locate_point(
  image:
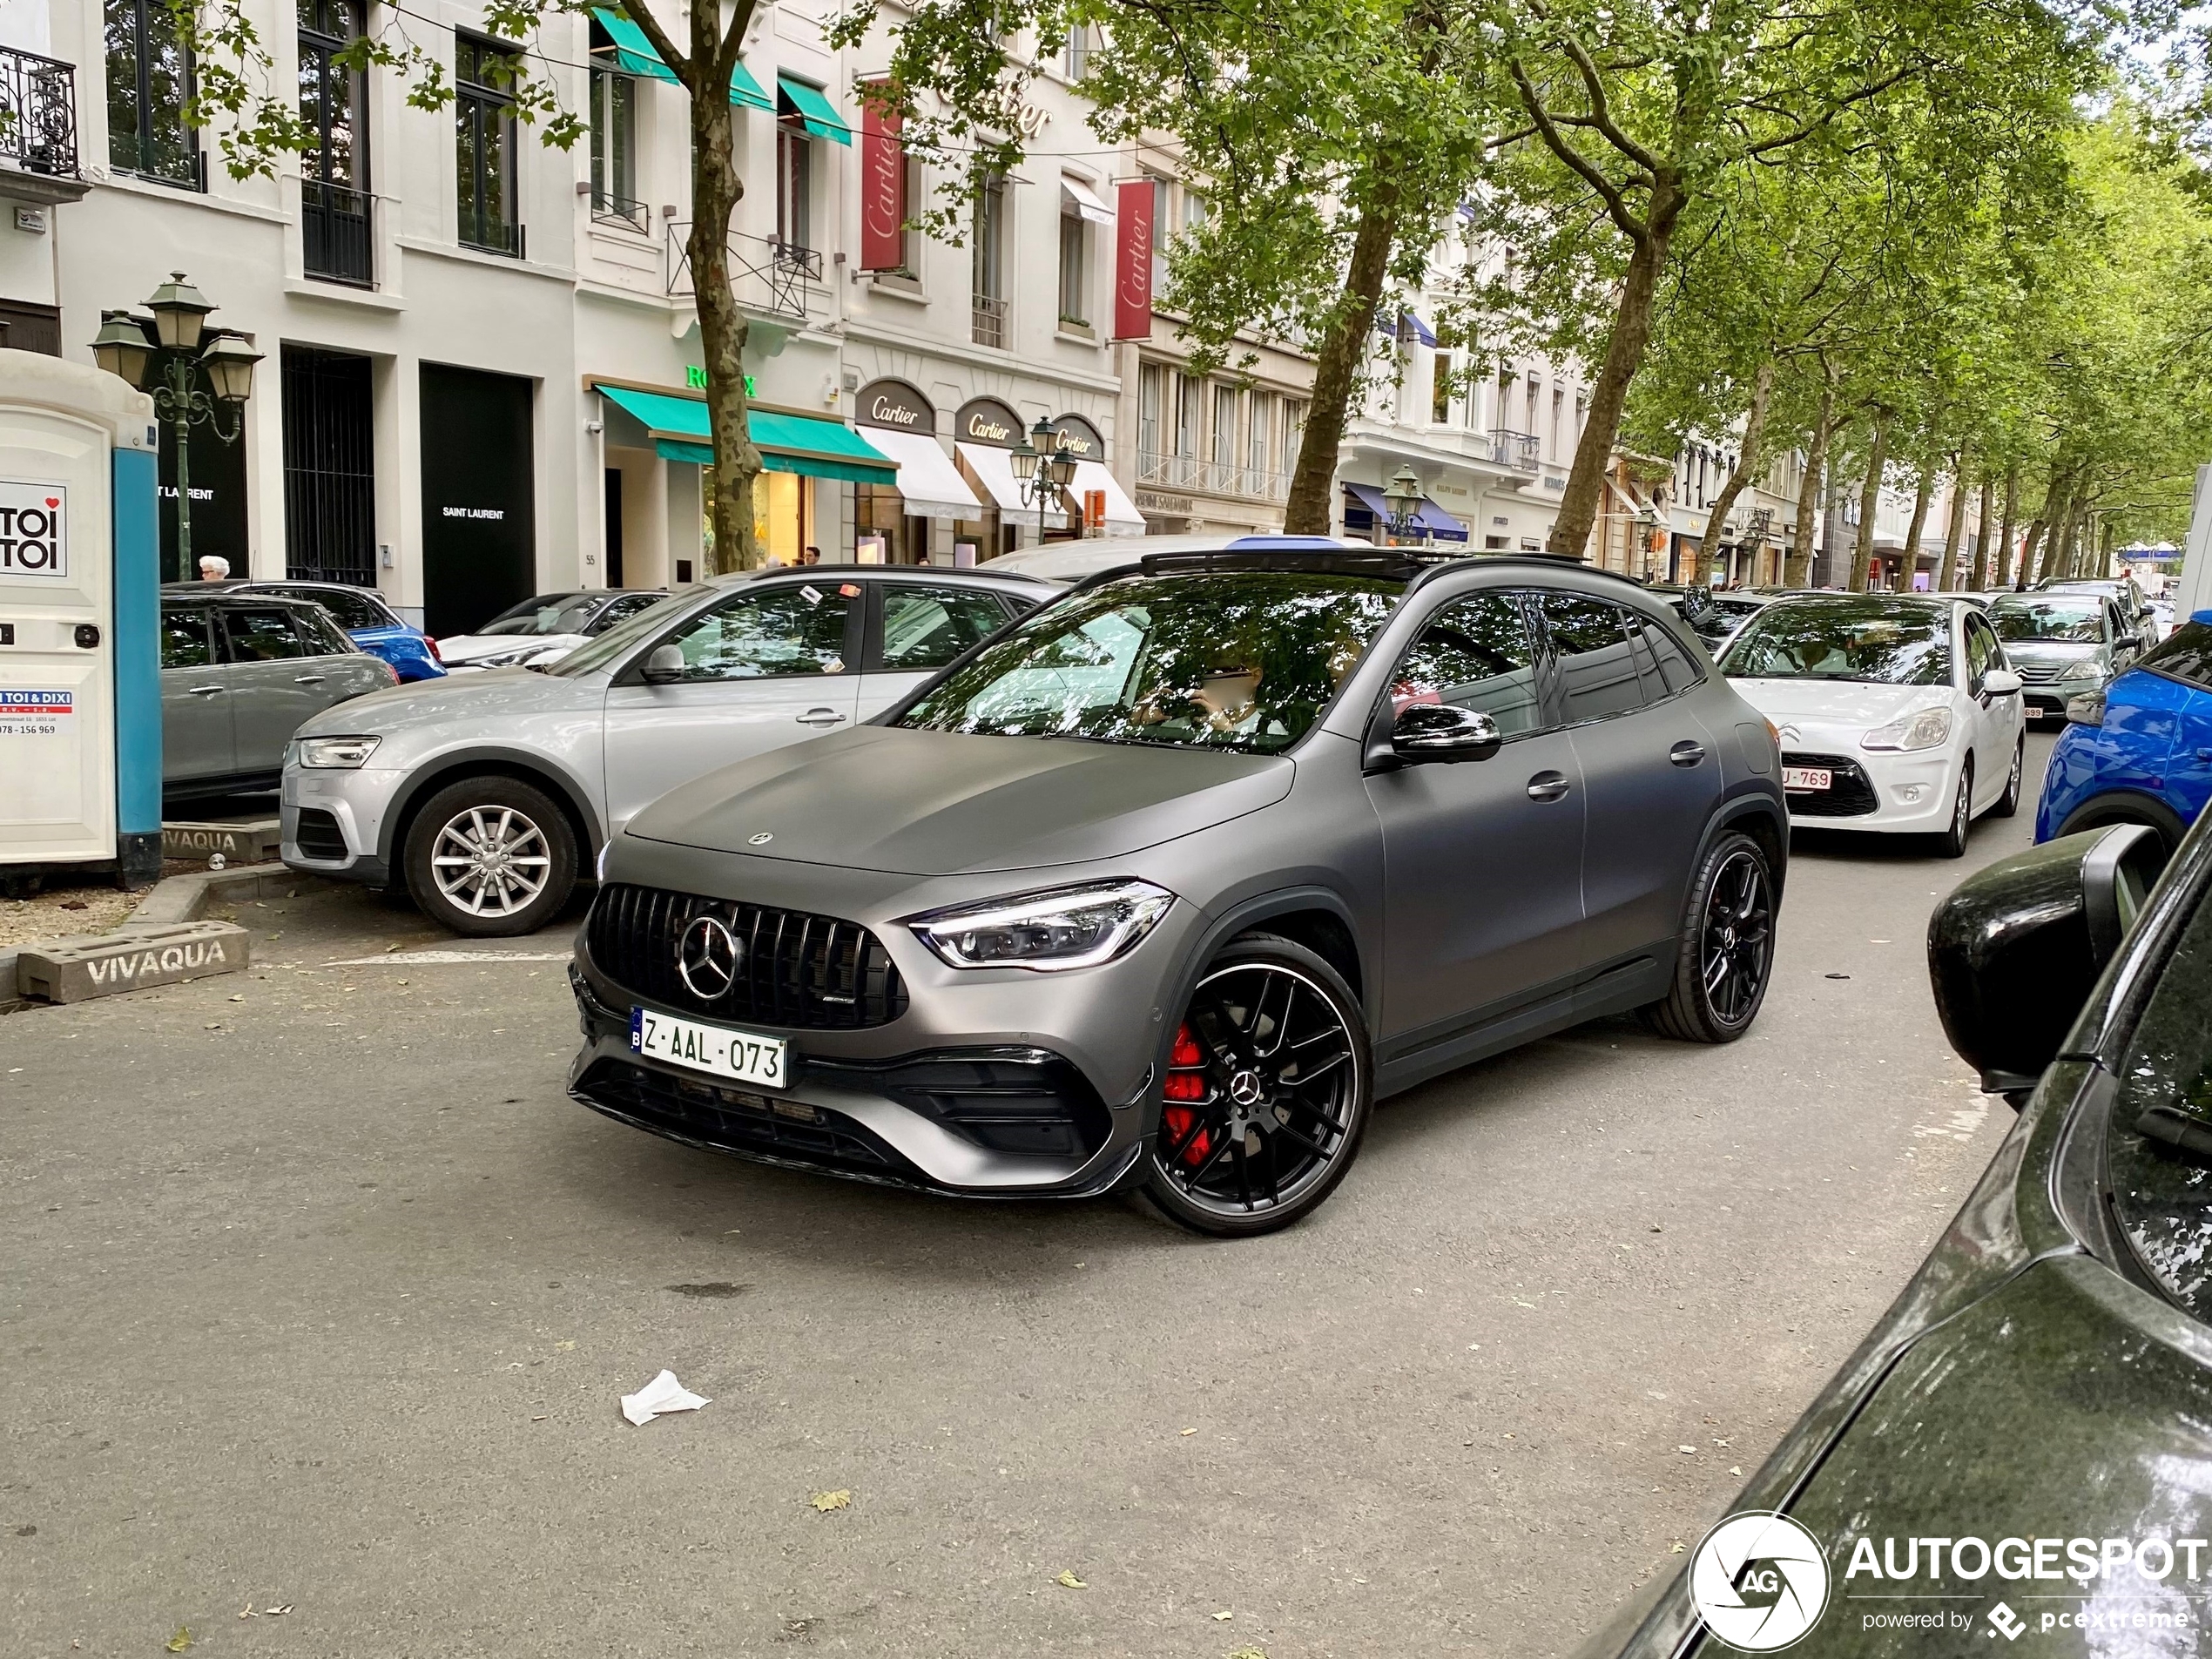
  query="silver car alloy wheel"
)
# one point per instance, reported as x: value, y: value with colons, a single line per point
x: 1260, y: 1091
x: 490, y: 861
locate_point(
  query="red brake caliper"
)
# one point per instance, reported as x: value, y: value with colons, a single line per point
x: 1186, y: 1081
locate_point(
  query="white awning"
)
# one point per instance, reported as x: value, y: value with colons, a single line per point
x: 994, y: 468
x: 931, y: 484
x: 1121, y: 517
x: 1079, y: 196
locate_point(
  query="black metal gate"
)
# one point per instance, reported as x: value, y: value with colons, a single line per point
x: 329, y: 468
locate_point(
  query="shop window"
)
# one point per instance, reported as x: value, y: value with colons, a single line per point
x: 1075, y: 268
x: 614, y: 152
x: 334, y: 169
x: 795, y: 188
x: 987, y: 262
x: 149, y: 78
x: 484, y: 145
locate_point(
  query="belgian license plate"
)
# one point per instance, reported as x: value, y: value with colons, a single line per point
x: 1807, y: 778
x: 745, y: 1055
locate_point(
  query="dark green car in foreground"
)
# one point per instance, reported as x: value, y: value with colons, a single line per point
x: 2019, y: 1457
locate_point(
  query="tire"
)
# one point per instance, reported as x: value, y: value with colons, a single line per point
x: 1229, y: 1121
x: 1726, y: 956
x: 2102, y: 810
x: 1951, y: 843
x: 517, y: 895
x: 2010, y: 802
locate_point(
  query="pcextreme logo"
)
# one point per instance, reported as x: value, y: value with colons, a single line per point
x: 1759, y: 1581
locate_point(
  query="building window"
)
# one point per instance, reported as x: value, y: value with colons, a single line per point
x: 1528, y: 404
x: 1078, y: 53
x: 614, y: 152
x: 484, y: 143
x: 1074, y: 266
x: 1224, y: 436
x: 1187, y: 416
x: 987, y: 262
x: 1259, y: 434
x: 1293, y: 434
x: 794, y: 187
x: 1439, y: 395
x: 149, y: 78
x: 1559, y: 402
x: 1151, y: 401
x: 334, y: 169
x: 910, y: 232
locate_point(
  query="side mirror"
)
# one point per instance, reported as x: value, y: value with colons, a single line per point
x: 2015, y: 951
x: 2001, y: 682
x: 663, y: 665
x: 1443, y: 731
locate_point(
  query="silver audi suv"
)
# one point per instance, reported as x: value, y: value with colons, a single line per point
x: 1164, y: 886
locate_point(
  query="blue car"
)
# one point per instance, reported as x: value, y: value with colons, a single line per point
x: 373, y: 625
x: 2140, y: 752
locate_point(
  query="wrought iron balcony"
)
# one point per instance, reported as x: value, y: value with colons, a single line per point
x: 989, y: 323
x: 766, y: 274
x: 608, y: 208
x: 39, y: 129
x: 1518, y: 451
x: 335, y: 235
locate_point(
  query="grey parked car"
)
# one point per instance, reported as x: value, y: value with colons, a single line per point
x: 2063, y: 643
x: 485, y: 795
x: 239, y: 672
x: 1164, y: 886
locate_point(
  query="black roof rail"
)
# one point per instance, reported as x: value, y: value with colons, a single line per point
x: 1388, y: 563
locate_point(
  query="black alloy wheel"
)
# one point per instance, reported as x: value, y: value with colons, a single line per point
x: 1726, y: 956
x: 2010, y: 802
x: 1951, y: 843
x: 1266, y: 1093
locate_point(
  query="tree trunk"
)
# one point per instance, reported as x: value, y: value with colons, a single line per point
x: 1870, y: 501
x: 1624, y: 348
x: 1747, y: 459
x: 1923, y: 496
x: 2002, y: 572
x: 1981, y: 578
x: 2058, y: 502
x: 1809, y: 494
x: 2028, y: 544
x: 715, y: 191
x: 1956, y: 532
x: 1336, y: 369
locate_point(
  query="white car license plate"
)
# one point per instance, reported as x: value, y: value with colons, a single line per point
x: 745, y: 1055
x: 1807, y: 778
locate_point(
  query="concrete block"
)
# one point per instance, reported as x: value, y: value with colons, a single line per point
x: 240, y: 842
x: 70, y: 970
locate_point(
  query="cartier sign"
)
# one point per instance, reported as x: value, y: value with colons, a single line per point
x: 896, y: 405
x: 1079, y: 438
x: 985, y: 420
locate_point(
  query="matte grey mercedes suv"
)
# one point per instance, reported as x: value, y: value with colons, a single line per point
x: 1165, y: 885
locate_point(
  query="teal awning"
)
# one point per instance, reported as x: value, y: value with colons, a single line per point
x: 797, y: 443
x: 634, y: 54
x: 814, y: 112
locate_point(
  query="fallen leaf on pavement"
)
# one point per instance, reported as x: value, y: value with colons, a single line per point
x: 178, y: 1643
x: 1247, y: 1653
x: 1676, y: 1547
x: 1071, y: 1582
x: 825, y: 1501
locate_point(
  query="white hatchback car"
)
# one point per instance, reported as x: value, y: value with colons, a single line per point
x: 485, y: 796
x: 1897, y: 712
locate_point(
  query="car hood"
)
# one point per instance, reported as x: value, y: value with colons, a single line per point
x: 480, y: 698
x: 466, y: 648
x: 938, y: 803
x: 2049, y: 650
x: 1841, y: 703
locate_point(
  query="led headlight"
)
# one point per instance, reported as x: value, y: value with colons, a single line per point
x: 1048, y: 931
x: 346, y: 752
x: 1929, y: 729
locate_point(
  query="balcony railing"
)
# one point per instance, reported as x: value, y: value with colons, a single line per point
x: 989, y: 324
x: 335, y: 241
x: 37, y: 114
x: 765, y: 274
x: 607, y: 208
x: 1215, y: 477
x: 1518, y: 451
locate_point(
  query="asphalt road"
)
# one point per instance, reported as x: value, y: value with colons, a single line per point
x: 317, y: 1293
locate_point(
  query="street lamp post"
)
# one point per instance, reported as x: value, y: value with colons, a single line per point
x: 1402, y: 495
x: 1042, y: 468
x: 178, y: 347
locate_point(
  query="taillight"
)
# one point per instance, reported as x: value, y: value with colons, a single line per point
x: 388, y: 669
x: 431, y: 645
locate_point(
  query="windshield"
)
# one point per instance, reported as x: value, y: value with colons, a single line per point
x: 565, y: 615
x: 616, y: 643
x: 1242, y: 660
x: 1883, y: 641
x: 2077, y: 622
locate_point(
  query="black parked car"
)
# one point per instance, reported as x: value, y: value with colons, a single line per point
x: 2035, y: 1411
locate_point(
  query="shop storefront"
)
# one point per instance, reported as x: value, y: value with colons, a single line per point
x: 899, y: 522
x: 1367, y: 515
x: 984, y: 433
x: 1103, y: 507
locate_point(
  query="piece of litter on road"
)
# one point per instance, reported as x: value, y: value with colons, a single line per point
x: 443, y: 958
x: 1068, y: 1581
x: 825, y: 1501
x: 1190, y: 1431
x: 1676, y: 1547
x: 663, y: 1395
x: 1691, y: 1450
x: 1839, y: 976
x: 1732, y: 1469
x: 1224, y: 1613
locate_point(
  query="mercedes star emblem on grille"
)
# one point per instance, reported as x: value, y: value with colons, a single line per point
x: 707, y: 955
x: 761, y: 840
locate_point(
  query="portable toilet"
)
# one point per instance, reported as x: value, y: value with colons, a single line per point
x: 80, y: 613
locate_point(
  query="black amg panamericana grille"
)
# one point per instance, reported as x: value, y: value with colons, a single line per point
x: 1850, y: 794
x: 809, y: 972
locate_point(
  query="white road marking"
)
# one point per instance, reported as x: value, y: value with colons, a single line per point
x: 438, y: 958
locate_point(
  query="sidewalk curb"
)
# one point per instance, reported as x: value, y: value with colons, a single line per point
x: 186, y: 898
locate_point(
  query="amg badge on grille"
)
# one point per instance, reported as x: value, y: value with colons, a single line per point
x: 707, y: 955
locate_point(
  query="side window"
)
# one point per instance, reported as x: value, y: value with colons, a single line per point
x: 760, y: 635
x: 349, y: 609
x: 184, y: 639
x: 1475, y: 653
x: 1982, y: 651
x: 622, y: 609
x: 321, y: 635
x: 261, y: 635
x: 1589, y: 640
x: 1677, y: 671
x: 928, y: 627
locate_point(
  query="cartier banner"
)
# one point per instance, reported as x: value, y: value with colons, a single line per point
x: 1133, y: 260
x: 883, y: 193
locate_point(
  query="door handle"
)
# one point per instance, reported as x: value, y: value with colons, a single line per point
x: 1687, y: 753
x: 1547, y: 786
x: 309, y: 679
x: 207, y: 690
x: 821, y: 717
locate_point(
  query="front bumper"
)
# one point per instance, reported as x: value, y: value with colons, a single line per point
x: 1894, y: 793
x: 331, y: 818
